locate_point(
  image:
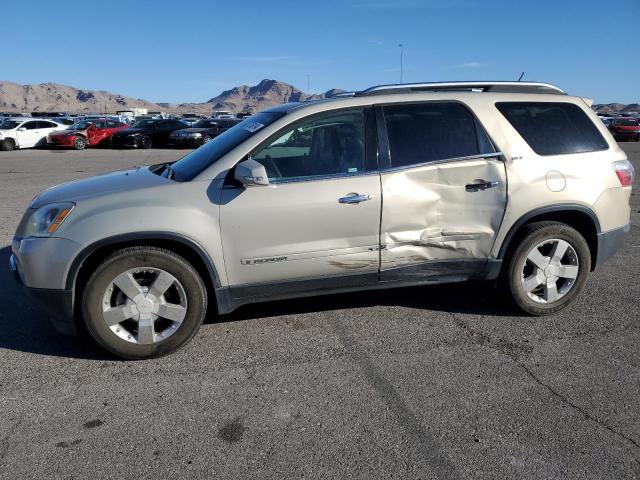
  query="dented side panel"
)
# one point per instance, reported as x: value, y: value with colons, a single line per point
x: 428, y: 214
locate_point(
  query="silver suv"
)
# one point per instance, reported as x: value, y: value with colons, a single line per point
x: 391, y: 186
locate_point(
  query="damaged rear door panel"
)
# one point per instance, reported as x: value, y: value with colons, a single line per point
x: 431, y: 220
x: 444, y: 193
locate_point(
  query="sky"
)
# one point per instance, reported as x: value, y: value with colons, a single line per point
x: 191, y: 50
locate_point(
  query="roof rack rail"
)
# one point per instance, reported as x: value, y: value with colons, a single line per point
x: 343, y: 94
x: 500, y: 86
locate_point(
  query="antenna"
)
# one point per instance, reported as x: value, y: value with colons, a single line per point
x: 520, y: 77
x: 401, y: 45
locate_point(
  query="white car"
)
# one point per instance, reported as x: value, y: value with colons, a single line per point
x: 26, y: 132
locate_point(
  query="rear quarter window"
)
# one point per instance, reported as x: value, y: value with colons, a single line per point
x: 553, y: 128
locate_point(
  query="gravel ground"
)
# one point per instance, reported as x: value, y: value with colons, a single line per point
x: 409, y: 383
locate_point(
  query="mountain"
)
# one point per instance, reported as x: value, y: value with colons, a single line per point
x: 616, y: 107
x: 258, y: 97
x: 51, y: 97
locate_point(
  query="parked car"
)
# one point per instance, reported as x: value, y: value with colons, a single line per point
x: 606, y: 120
x: 65, y: 120
x: 625, y: 129
x: 147, y: 133
x: 26, y: 132
x: 201, y: 132
x: 87, y: 133
x: 289, y: 203
x: 222, y: 114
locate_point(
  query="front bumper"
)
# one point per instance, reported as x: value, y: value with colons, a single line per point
x: 124, y: 142
x: 184, y: 142
x: 58, y: 303
x: 60, y: 141
x: 626, y: 136
x: 610, y: 242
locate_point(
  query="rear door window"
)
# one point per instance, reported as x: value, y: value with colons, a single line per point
x: 428, y: 132
x: 553, y: 128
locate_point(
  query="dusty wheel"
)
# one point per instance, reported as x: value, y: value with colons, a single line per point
x: 548, y: 268
x: 144, y: 302
x: 145, y: 142
x: 79, y: 143
x: 7, y: 145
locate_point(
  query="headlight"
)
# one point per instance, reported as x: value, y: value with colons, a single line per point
x: 195, y: 135
x: 44, y: 221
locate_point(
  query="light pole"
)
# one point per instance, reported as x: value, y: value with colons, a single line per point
x: 401, y: 55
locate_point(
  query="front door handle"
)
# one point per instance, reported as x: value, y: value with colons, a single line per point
x: 480, y: 185
x: 354, y: 198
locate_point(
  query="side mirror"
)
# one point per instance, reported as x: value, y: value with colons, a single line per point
x: 22, y: 129
x: 251, y: 172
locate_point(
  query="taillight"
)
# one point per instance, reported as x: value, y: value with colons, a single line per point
x: 624, y: 171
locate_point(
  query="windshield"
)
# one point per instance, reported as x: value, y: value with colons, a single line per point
x: 627, y: 122
x: 191, y: 165
x: 9, y: 124
x: 144, y: 123
x: 80, y: 125
x: 204, y: 124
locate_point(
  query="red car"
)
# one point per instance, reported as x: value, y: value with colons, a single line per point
x: 87, y: 133
x: 625, y: 129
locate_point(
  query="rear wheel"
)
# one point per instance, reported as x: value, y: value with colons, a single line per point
x: 145, y: 142
x: 144, y: 302
x: 79, y: 143
x: 548, y: 268
x: 7, y: 145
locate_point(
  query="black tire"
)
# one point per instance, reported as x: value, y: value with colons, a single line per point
x: 7, y: 145
x: 145, y: 142
x: 149, y: 257
x: 79, y: 143
x: 206, y: 139
x: 533, y: 235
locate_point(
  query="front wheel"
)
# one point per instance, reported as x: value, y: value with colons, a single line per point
x: 548, y: 268
x: 144, y: 302
x: 7, y: 145
x: 145, y: 142
x: 79, y: 143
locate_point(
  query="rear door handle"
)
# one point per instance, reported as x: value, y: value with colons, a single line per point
x: 354, y: 198
x: 480, y: 185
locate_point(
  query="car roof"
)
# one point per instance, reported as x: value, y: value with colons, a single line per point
x: 489, y: 92
x: 25, y: 119
x: 407, y: 92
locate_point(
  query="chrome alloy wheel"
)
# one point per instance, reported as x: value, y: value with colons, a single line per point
x: 550, y: 270
x: 144, y: 305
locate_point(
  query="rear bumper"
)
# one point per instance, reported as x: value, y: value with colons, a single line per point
x: 610, y: 242
x: 57, y: 303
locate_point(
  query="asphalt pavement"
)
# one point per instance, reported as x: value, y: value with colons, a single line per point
x: 439, y: 382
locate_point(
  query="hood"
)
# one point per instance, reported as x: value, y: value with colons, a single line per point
x: 66, y: 132
x: 194, y: 130
x: 130, y: 131
x: 108, y: 183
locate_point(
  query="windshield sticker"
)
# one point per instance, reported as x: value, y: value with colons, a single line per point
x: 252, y: 126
